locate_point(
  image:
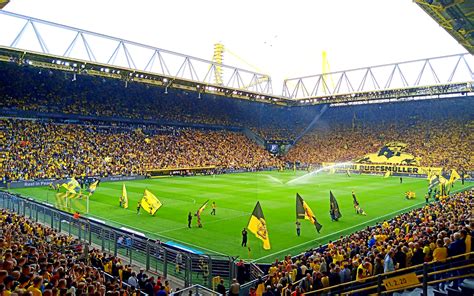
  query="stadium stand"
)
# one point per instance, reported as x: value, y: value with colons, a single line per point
x: 37, y: 260
x: 439, y: 133
x: 432, y: 234
x: 45, y: 149
x: 53, y: 92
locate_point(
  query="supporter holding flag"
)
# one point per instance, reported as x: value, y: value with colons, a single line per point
x: 72, y: 186
x: 334, y: 208
x: 303, y: 211
x: 354, y: 200
x: 199, y: 212
x: 93, y: 187
x: 150, y: 203
x: 357, y: 207
x: 258, y: 226
x: 124, y: 197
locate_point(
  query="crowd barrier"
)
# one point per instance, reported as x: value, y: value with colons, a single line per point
x: 153, y: 255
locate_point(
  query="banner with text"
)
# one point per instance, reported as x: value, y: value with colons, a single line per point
x: 383, y: 168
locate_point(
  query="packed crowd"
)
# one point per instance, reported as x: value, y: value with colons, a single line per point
x: 38, y: 150
x: 49, y: 91
x: 442, y: 144
x: 431, y: 234
x: 36, y: 260
x: 436, y: 131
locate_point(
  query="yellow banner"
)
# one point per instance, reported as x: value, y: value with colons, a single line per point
x: 399, y: 282
x: 390, y: 153
x: 384, y: 168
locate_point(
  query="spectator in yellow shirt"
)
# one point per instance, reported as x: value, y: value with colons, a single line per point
x: 441, y: 252
x: 35, y: 289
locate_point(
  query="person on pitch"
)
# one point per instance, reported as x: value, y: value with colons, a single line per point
x: 190, y: 219
x: 244, y: 237
x: 298, y: 227
x: 214, y: 207
x: 139, y: 205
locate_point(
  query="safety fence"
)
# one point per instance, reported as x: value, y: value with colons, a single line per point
x: 453, y: 270
x: 153, y: 255
x: 195, y: 290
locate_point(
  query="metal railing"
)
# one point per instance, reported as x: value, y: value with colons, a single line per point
x: 196, y: 290
x: 428, y: 273
x: 32, y: 34
x: 436, y: 71
x: 153, y: 255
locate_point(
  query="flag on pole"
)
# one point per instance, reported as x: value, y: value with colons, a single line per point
x: 303, y: 211
x: 93, y: 187
x: 454, y: 176
x: 334, y: 207
x: 72, y: 186
x: 150, y: 202
x: 429, y: 175
x: 354, y: 199
x: 443, y: 182
x: 434, y: 181
x: 387, y: 174
x: 258, y: 226
x: 124, y: 197
x: 201, y: 208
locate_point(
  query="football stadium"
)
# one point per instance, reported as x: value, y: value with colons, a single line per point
x: 129, y: 169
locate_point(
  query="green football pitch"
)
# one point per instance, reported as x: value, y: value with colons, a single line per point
x: 235, y: 196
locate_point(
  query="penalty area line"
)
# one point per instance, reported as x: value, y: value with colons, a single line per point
x: 339, y: 231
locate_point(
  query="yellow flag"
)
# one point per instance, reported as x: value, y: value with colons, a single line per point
x: 93, y: 187
x: 150, y: 203
x: 258, y: 226
x: 201, y: 208
x: 454, y: 176
x: 72, y: 186
x: 387, y: 174
x: 124, y: 197
x: 442, y: 180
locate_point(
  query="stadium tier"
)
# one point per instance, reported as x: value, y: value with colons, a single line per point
x: 53, y: 92
x: 439, y: 133
x: 52, y: 150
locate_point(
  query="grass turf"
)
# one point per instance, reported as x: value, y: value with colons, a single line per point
x: 235, y: 196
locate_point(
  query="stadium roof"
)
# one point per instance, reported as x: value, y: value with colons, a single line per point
x: 77, y: 51
x: 455, y: 16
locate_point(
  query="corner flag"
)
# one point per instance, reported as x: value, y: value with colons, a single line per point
x: 258, y: 226
x: 303, y: 211
x: 150, y: 203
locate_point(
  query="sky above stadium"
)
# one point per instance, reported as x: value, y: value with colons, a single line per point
x: 282, y: 38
